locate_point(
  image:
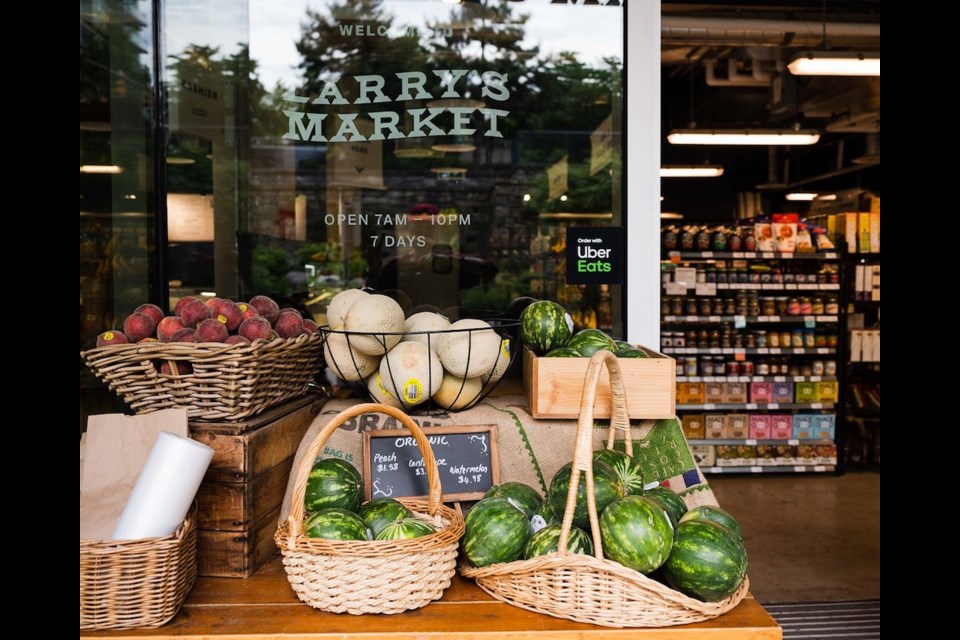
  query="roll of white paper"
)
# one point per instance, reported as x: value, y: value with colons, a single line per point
x: 165, y: 489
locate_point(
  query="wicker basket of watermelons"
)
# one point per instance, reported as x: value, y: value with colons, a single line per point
x: 606, y: 551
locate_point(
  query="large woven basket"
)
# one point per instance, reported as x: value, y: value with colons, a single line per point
x: 227, y: 382
x: 137, y: 583
x: 591, y: 588
x: 386, y: 576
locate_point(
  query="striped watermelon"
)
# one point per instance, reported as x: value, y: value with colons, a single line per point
x: 607, y: 488
x: 708, y: 561
x: 547, y: 540
x: 547, y: 513
x: 335, y: 524
x: 588, y: 341
x: 333, y: 483
x: 716, y: 514
x: 523, y: 496
x: 637, y: 533
x: 670, y: 501
x: 545, y: 325
x: 496, y: 532
x: 562, y: 352
x: 626, y: 467
x: 379, y: 512
x: 405, y: 529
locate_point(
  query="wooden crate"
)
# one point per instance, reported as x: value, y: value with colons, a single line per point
x: 239, y: 499
x: 553, y: 386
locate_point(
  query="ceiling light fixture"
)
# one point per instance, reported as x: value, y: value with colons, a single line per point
x: 101, y: 168
x: 830, y: 197
x: 757, y: 137
x: 694, y: 171
x: 454, y: 147
x: 800, y: 197
x: 835, y: 63
x: 670, y: 215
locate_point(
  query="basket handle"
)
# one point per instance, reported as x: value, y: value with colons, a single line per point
x: 295, y: 518
x: 583, y: 449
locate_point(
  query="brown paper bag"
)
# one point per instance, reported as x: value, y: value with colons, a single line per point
x: 112, y: 455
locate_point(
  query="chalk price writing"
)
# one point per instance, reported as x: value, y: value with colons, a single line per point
x: 474, y: 479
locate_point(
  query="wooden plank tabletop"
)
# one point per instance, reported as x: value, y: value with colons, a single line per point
x: 264, y: 606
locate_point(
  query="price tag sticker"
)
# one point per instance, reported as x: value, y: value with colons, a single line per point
x: 756, y: 469
x: 676, y: 289
x: 774, y: 319
x: 776, y: 350
x: 773, y: 405
x: 763, y: 350
x: 707, y: 254
x: 751, y: 441
x: 793, y: 442
x: 751, y: 405
x: 739, y: 355
x: 790, y: 287
x: 686, y: 276
x: 823, y: 350
x: 768, y: 254
x: 799, y: 469
x: 692, y: 318
x: 738, y: 254
x: 709, y: 406
x: 779, y: 378
x: 716, y: 350
x: 713, y: 319
x: 819, y: 467
x: 740, y: 322
x: 810, y: 324
x: 830, y: 256
x: 816, y: 378
x: 816, y: 405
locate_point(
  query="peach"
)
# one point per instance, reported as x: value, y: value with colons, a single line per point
x: 289, y: 323
x: 256, y: 328
x: 138, y: 326
x: 175, y: 368
x: 111, y: 337
x: 236, y: 340
x: 212, y: 303
x: 247, y: 310
x: 167, y: 327
x: 228, y: 312
x: 150, y: 339
x: 309, y: 326
x: 151, y: 310
x: 193, y: 313
x: 184, y: 335
x: 265, y: 307
x: 182, y: 302
x: 211, y: 330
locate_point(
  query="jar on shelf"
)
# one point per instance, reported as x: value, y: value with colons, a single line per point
x: 763, y: 368
x: 781, y: 303
x: 676, y: 306
x: 809, y: 339
x: 738, y: 340
x: 761, y: 339
x: 793, y: 307
x: 832, y: 340
x: 819, y: 367
x: 721, y: 276
x: 706, y: 306
x: 773, y: 339
x: 785, y: 339
x: 665, y: 306
x: 666, y: 340
x: 701, y: 276
x: 806, y: 306
x: 690, y: 366
x: 706, y: 366
x: 718, y: 306
x: 679, y: 340
x: 793, y: 369
x: 796, y: 338
x: 821, y: 339
x: 830, y: 368
x: 729, y: 307
x: 751, y: 341
x: 832, y: 306
x: 690, y: 306
x: 806, y: 369
x: 715, y: 338
x: 703, y: 337
x: 817, y: 306
x: 680, y: 370
x: 768, y: 307
x: 746, y: 368
x: 753, y: 304
x: 711, y: 274
x: 732, y: 368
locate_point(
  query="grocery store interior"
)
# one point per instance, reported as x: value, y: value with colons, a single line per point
x: 208, y: 170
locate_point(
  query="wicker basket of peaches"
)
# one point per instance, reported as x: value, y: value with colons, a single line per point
x: 219, y: 359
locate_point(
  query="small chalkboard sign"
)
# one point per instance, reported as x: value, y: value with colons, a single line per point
x: 466, y: 459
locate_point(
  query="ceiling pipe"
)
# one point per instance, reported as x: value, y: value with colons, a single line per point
x: 744, y: 32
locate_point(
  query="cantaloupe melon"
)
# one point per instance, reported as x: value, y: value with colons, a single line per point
x: 411, y: 372
x: 379, y: 392
x: 374, y: 314
x: 339, y: 305
x: 425, y: 321
x: 500, y: 368
x: 456, y: 393
x: 347, y: 363
x: 469, y: 354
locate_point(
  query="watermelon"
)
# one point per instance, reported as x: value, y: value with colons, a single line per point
x: 670, y: 501
x: 630, y: 353
x: 547, y: 540
x: 606, y: 489
x: 588, y: 341
x: 379, y: 512
x: 545, y: 325
x: 523, y: 496
x: 405, y: 529
x: 547, y: 513
x: 716, y: 514
x: 637, y: 533
x: 626, y: 467
x: 562, y: 352
x: 708, y: 561
x: 333, y: 483
x: 335, y: 524
x: 496, y: 532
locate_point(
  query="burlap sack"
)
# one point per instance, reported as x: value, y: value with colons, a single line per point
x: 531, y: 451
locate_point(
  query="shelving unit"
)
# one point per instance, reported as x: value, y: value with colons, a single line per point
x: 860, y: 413
x: 734, y: 294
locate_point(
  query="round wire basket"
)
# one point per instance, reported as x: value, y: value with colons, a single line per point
x: 382, y: 381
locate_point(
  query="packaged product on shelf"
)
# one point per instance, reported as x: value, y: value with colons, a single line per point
x: 714, y: 392
x: 825, y: 453
x: 692, y: 424
x: 705, y: 455
x: 824, y: 426
x: 806, y: 454
x: 715, y: 426
x: 828, y: 391
x: 804, y: 240
x: 760, y: 427
x: 775, y: 454
x: 761, y: 392
x: 693, y: 393
x: 781, y: 426
x: 863, y: 232
x: 763, y: 232
x: 784, y: 229
x: 803, y: 425
x: 735, y: 392
x: 806, y: 392
x: 782, y: 392
x: 736, y: 426
x: 874, y: 232
x: 737, y: 455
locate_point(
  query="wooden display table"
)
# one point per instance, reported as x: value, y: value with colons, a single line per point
x: 264, y: 606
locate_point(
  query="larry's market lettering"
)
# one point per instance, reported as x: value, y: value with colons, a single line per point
x: 432, y: 121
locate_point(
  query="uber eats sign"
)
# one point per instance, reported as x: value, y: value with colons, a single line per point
x: 595, y: 255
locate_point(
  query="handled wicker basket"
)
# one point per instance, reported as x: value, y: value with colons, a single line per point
x: 226, y: 382
x: 591, y: 588
x: 128, y: 584
x: 378, y: 576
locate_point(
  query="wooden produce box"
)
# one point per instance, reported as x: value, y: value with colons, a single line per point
x: 239, y: 499
x: 553, y: 386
